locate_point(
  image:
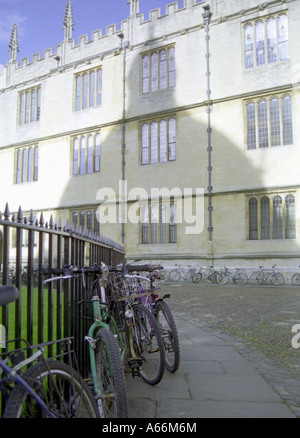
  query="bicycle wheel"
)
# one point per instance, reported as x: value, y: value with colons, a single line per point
x: 296, y: 279
x: 146, y: 344
x: 197, y: 277
x: 189, y: 275
x: 169, y: 334
x: 112, y: 402
x: 256, y: 278
x: 277, y: 278
x: 174, y: 276
x: 60, y: 387
x: 241, y: 278
x: 222, y: 278
x: 163, y: 275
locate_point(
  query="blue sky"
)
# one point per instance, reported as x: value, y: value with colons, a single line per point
x: 40, y: 22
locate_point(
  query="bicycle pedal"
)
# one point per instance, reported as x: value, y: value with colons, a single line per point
x: 135, y: 366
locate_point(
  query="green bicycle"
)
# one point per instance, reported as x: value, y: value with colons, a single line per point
x: 105, y: 361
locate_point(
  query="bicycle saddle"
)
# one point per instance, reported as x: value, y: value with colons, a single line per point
x: 8, y: 294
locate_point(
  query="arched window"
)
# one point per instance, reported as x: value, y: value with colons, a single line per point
x: 290, y: 217
x: 251, y: 126
x: 272, y: 40
x: 253, y: 222
x: 260, y: 43
x: 287, y: 124
x: 154, y: 145
x: 97, y: 153
x: 249, y: 47
x: 265, y: 218
x: 75, y: 156
x: 277, y: 218
x: 90, y: 153
x: 145, y: 143
x: 275, y: 122
x: 82, y: 155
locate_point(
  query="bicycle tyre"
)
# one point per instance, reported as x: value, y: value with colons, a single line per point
x: 296, y: 279
x: 75, y: 400
x: 197, y: 277
x: 241, y: 278
x: 146, y: 344
x: 110, y: 377
x: 163, y: 275
x: 256, y: 278
x: 168, y: 329
x: 277, y: 279
x: 222, y: 278
x: 189, y: 275
x: 174, y: 276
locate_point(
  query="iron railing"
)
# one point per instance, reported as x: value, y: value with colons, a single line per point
x: 48, y: 313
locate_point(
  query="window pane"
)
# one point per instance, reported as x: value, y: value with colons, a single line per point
x: 19, y: 166
x: 283, y: 37
x: 78, y: 93
x: 30, y: 164
x: 154, y: 143
x: 92, y: 89
x: 163, y: 141
x: 163, y: 69
x: 96, y: 223
x: 145, y: 144
x: 97, y: 153
x: 38, y: 109
x: 36, y: 164
x: 275, y: 122
x: 249, y: 47
x: 290, y: 220
x: 277, y: 218
x: 253, y: 223
x: 272, y: 43
x: 82, y: 155
x: 89, y: 220
x: 260, y: 43
x: 85, y: 91
x: 172, y: 139
x: 75, y: 156
x: 265, y: 218
x: 24, y: 165
x: 173, y: 228
x: 82, y: 220
x: 251, y: 129
x: 262, y: 124
x: 99, y: 87
x: 154, y: 223
x: 90, y: 154
x: 172, y: 71
x: 163, y: 224
x: 33, y: 106
x: 154, y: 72
x: 287, y: 124
x: 146, y: 73
x: 27, y: 107
x: 145, y: 225
x: 22, y: 103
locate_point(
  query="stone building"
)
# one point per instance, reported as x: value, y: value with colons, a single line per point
x: 178, y: 132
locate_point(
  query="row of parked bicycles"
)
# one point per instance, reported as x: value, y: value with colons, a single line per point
x: 132, y: 330
x: 258, y: 277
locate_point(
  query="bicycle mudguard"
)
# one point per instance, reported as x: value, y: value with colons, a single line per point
x: 8, y: 294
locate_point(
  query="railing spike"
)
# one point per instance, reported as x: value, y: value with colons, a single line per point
x: 59, y: 226
x: 42, y: 221
x: 6, y: 212
x: 20, y: 215
x: 31, y: 218
x: 51, y: 223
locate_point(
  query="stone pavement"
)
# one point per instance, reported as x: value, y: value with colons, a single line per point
x: 220, y: 376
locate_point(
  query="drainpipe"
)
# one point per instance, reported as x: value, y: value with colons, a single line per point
x: 206, y: 18
x: 123, y: 46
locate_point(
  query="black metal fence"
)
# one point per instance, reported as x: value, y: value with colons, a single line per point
x: 29, y: 249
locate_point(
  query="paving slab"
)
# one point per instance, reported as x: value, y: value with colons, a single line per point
x: 214, y: 381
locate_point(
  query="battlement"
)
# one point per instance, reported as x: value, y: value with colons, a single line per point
x: 69, y: 50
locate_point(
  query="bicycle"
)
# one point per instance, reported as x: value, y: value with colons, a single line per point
x: 177, y: 273
x: 262, y: 276
x: 295, y: 280
x: 238, y: 277
x: 150, y: 299
x: 49, y: 388
x: 137, y: 325
x: 210, y: 276
x: 106, y: 368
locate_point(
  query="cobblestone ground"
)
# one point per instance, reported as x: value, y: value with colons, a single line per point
x: 261, y: 316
